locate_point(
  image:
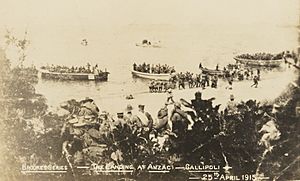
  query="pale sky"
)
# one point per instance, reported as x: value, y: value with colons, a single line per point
x: 15, y: 13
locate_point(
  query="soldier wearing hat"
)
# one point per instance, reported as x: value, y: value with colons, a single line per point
x: 201, y: 105
x: 275, y: 108
x: 179, y: 119
x: 148, y: 122
x: 162, y: 116
x: 120, y: 115
x: 141, y: 107
x: 88, y: 107
x: 229, y: 112
x: 198, y: 95
x: 120, y: 119
x: 129, y: 109
x: 198, y: 102
x: 231, y: 97
x: 231, y: 108
x: 128, y: 112
x: 170, y: 99
x: 129, y: 117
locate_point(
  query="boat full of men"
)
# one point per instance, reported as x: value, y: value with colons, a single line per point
x: 62, y: 72
x: 88, y: 69
x: 154, y: 69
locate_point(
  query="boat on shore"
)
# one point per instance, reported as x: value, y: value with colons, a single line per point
x: 153, y: 76
x: 101, y: 76
x: 212, y: 72
x: 254, y: 62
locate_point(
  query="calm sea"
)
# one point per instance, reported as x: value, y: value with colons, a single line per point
x: 183, y: 47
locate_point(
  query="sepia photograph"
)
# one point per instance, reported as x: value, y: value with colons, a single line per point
x: 160, y: 90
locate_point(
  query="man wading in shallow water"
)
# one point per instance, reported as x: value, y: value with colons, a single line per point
x: 170, y: 99
x: 255, y: 80
x: 230, y: 81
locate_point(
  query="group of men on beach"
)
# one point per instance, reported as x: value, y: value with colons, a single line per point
x: 195, y: 80
x: 181, y: 79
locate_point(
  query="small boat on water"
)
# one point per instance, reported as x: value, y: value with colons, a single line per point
x: 253, y: 62
x: 151, y: 75
x: 148, y: 44
x: 260, y: 59
x: 101, y: 76
x: 212, y: 72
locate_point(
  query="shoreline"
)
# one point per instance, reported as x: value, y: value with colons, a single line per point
x: 269, y: 88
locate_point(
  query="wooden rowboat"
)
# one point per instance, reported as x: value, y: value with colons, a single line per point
x: 266, y: 63
x: 148, y: 46
x: 212, y: 72
x: 102, y: 76
x: 151, y: 75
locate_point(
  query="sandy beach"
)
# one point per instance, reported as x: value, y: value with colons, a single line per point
x: 269, y: 88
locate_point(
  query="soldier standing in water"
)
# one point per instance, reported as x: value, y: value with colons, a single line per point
x: 255, y: 80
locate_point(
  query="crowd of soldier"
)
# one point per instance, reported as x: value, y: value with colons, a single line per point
x: 182, y: 80
x: 160, y: 86
x: 191, y: 80
x: 87, y: 128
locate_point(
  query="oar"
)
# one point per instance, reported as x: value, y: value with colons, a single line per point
x: 186, y: 103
